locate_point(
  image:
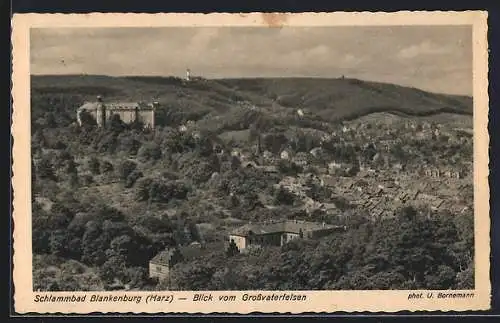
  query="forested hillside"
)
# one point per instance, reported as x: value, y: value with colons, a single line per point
x: 107, y: 200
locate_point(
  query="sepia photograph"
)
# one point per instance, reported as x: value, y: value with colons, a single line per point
x: 277, y: 158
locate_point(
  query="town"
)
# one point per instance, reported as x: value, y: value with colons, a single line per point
x: 140, y: 195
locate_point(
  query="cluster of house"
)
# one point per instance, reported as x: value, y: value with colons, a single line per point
x: 301, y: 184
x: 381, y: 194
x: 437, y: 173
x: 300, y: 158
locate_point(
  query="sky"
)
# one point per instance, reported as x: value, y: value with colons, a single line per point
x: 432, y: 58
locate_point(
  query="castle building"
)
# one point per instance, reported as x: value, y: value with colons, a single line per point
x: 127, y: 111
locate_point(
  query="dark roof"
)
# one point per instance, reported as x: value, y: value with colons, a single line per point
x: 277, y: 227
x: 163, y: 257
x: 89, y: 106
x: 270, y: 169
x: 250, y: 163
x: 192, y: 251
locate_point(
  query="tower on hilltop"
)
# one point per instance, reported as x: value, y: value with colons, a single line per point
x: 188, y: 74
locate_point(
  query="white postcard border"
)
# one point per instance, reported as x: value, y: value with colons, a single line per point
x: 316, y: 301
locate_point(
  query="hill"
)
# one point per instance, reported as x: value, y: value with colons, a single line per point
x: 335, y: 99
x: 324, y: 100
x: 109, y: 199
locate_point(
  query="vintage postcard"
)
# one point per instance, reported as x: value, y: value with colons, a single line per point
x: 240, y: 163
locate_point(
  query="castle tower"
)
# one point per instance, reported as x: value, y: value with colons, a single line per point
x: 101, y: 112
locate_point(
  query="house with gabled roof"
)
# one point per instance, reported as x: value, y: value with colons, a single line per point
x: 162, y: 263
x: 160, y: 266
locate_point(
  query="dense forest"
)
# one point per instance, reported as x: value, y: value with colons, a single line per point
x: 107, y: 200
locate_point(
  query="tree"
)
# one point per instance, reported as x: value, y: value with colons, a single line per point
x: 60, y: 216
x: 274, y: 142
x: 40, y: 230
x: 45, y: 169
x: 105, y: 212
x: 173, y: 142
x: 138, y: 277
x: 155, y: 224
x: 253, y: 132
x: 129, y: 144
x: 93, y: 249
x: 137, y: 124
x: 233, y: 201
x: 199, y: 169
x: 251, y: 201
x: 93, y: 165
x: 195, y: 275
x: 235, y: 163
x: 232, y: 249
x: 465, y: 278
x: 204, y: 146
x: 126, y: 168
x: 113, y: 268
x: 121, y: 246
x: 341, y: 203
x: 106, y: 167
x: 399, y: 153
x: 443, y: 278
x: 369, y: 152
x: 50, y: 120
x: 289, y: 168
x: 165, y: 191
x: 132, y: 178
x: 74, y: 180
x: 115, y: 124
x: 354, y: 170
x: 143, y: 188
x: 59, y: 241
x: 283, y: 196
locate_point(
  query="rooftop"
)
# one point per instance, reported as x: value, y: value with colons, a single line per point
x: 89, y: 106
x: 290, y: 226
x: 195, y: 250
x: 189, y: 252
x: 163, y: 257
